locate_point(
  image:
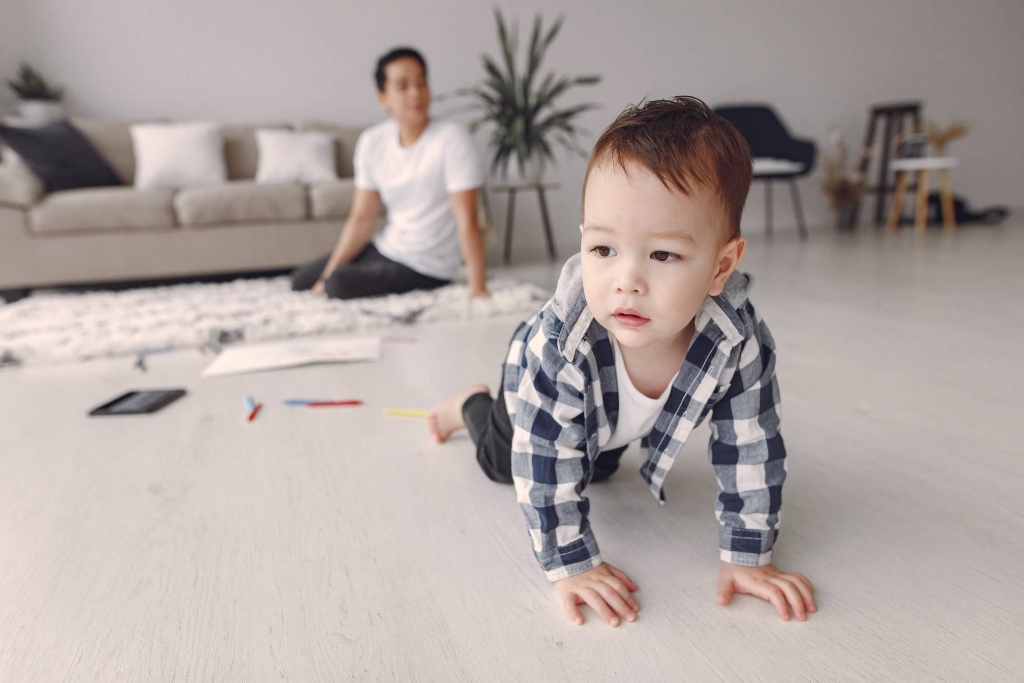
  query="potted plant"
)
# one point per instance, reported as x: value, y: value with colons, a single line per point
x: 842, y: 184
x: 38, y: 100
x: 520, y: 107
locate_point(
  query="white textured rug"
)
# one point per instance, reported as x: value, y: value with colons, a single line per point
x: 59, y: 327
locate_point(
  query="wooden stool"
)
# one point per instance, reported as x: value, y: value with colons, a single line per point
x: 923, y: 166
x: 894, y: 116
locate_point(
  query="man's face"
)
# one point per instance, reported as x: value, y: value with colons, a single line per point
x: 650, y: 255
x: 406, y: 94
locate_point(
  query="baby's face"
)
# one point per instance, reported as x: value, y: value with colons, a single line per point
x: 650, y: 255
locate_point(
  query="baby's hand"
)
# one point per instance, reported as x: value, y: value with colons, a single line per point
x: 785, y: 590
x: 608, y: 591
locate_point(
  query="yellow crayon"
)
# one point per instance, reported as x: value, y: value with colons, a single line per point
x: 405, y: 412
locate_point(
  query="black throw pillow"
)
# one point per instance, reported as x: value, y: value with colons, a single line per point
x: 60, y: 155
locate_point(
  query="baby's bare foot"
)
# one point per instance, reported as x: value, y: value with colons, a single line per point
x: 446, y: 416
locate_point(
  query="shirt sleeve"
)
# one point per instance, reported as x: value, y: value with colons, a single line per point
x: 748, y: 454
x: 462, y: 168
x: 363, y: 163
x: 549, y: 456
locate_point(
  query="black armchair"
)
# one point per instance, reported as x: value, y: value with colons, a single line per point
x: 777, y: 154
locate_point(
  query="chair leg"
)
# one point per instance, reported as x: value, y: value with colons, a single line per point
x: 948, y: 214
x: 768, y: 207
x: 795, y: 191
x: 921, y: 215
x: 902, y: 178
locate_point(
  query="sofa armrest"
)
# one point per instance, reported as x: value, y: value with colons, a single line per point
x: 19, y: 186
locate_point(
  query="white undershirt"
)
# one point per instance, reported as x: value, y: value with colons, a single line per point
x: 637, y: 413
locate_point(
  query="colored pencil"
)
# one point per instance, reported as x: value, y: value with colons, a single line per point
x: 254, y: 413
x: 322, y: 404
x: 250, y: 405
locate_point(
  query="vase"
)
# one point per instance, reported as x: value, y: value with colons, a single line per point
x: 40, y: 112
x: 846, y: 218
x: 530, y: 173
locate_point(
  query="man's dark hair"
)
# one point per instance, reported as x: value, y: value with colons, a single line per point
x: 397, y: 53
x: 685, y: 144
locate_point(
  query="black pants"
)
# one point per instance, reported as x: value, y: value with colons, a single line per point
x: 491, y: 430
x: 369, y: 274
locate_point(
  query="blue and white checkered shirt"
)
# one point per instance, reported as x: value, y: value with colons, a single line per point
x: 560, y: 389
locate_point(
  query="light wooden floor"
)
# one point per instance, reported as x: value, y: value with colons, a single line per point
x: 337, y: 544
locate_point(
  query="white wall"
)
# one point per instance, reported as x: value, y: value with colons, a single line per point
x: 822, y: 63
x: 11, y: 42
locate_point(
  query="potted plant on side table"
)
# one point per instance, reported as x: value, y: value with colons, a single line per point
x: 519, y: 106
x: 39, y: 102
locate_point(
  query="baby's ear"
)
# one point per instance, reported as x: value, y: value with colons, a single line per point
x: 729, y: 258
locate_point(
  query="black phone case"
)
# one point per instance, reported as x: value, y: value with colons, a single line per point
x: 138, y: 402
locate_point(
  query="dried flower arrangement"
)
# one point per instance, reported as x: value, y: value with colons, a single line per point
x: 842, y: 184
x: 941, y: 137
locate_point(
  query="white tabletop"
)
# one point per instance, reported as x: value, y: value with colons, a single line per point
x: 923, y: 164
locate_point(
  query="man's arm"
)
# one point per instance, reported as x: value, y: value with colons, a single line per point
x: 471, y: 240
x: 355, y: 234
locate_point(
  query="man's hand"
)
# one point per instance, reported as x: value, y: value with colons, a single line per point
x: 607, y: 590
x: 785, y: 590
x: 318, y: 288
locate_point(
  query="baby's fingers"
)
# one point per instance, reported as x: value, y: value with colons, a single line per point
x: 773, y: 594
x: 793, y: 596
x: 616, y: 601
x: 570, y: 604
x: 806, y: 589
x: 622, y: 576
x: 623, y: 590
x: 598, y: 604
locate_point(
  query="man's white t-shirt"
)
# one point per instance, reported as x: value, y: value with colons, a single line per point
x: 414, y: 183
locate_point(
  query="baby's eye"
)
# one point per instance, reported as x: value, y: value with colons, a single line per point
x: 664, y: 256
x: 603, y: 252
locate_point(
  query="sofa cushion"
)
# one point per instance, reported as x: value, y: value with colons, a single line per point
x: 331, y: 199
x: 60, y: 155
x: 173, y: 155
x: 240, y: 150
x: 19, y: 186
x: 347, y: 137
x: 238, y: 202
x: 288, y: 156
x: 113, y: 141
x: 103, y: 209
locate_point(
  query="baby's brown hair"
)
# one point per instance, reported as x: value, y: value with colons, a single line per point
x: 685, y: 144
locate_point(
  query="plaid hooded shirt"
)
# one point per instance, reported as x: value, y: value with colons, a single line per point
x: 560, y: 389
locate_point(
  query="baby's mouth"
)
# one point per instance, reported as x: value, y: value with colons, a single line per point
x: 630, y: 317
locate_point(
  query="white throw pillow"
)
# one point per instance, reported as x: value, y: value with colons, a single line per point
x: 287, y: 156
x: 178, y: 154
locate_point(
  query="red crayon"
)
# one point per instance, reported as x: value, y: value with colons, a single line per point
x: 321, y: 404
x: 255, y: 412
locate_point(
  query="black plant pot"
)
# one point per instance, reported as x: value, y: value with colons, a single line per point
x: 846, y: 218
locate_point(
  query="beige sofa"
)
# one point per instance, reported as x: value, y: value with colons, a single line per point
x: 112, y: 234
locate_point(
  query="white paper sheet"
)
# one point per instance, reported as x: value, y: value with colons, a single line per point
x: 291, y: 353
